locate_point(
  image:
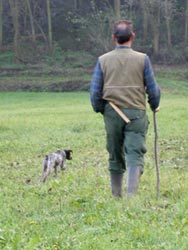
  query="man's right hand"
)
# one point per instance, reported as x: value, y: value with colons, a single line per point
x: 157, y: 109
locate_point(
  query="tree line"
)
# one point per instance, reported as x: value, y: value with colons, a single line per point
x: 30, y: 27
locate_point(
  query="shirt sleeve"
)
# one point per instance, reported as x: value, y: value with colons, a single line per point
x: 96, y: 89
x: 152, y: 88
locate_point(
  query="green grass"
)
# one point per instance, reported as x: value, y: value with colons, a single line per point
x: 61, y: 71
x: 71, y: 71
x: 75, y: 211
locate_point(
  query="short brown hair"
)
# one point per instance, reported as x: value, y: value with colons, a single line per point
x: 123, y: 30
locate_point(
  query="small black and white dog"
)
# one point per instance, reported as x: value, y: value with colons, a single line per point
x: 53, y: 160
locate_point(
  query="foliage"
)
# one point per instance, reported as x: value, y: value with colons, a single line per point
x: 160, y: 26
x: 70, y: 71
x: 6, y: 58
x: 100, y: 30
x: 75, y: 210
x: 60, y: 71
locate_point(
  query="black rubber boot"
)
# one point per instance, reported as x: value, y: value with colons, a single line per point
x: 133, y: 178
x: 116, y: 184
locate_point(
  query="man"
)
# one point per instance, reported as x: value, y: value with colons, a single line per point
x: 123, y: 76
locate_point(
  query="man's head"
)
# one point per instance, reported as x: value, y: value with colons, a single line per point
x: 123, y: 32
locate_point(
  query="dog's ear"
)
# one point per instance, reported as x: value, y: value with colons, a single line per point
x: 68, y: 153
x: 46, y: 157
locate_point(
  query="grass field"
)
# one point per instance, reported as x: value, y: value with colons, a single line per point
x: 75, y: 211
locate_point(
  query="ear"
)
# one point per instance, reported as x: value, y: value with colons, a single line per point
x: 133, y: 36
x: 113, y: 38
x: 68, y: 154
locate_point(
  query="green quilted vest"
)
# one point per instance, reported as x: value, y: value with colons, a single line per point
x: 123, y: 70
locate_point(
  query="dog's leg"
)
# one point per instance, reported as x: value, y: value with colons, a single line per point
x: 45, y: 175
x: 63, y: 165
x: 48, y: 171
x: 55, y: 170
x: 44, y: 168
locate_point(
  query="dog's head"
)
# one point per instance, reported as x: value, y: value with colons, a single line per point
x: 68, y: 153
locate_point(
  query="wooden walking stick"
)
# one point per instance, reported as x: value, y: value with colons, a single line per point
x: 118, y: 110
x: 156, y: 153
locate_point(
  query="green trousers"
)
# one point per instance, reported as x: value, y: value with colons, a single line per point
x: 125, y: 142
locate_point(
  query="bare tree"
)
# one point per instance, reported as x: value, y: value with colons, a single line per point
x: 76, y: 4
x: 31, y: 21
x: 117, y: 5
x: 154, y: 14
x: 14, y: 9
x: 1, y: 23
x: 168, y: 13
x: 49, y: 25
x: 144, y: 6
x: 186, y: 24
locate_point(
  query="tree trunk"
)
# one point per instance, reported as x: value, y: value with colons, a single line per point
x: 168, y: 17
x: 145, y: 19
x: 186, y: 24
x: 31, y: 21
x: 15, y: 14
x: 117, y: 5
x: 156, y: 31
x: 75, y: 4
x: 49, y: 25
x: 154, y: 19
x: 1, y: 23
